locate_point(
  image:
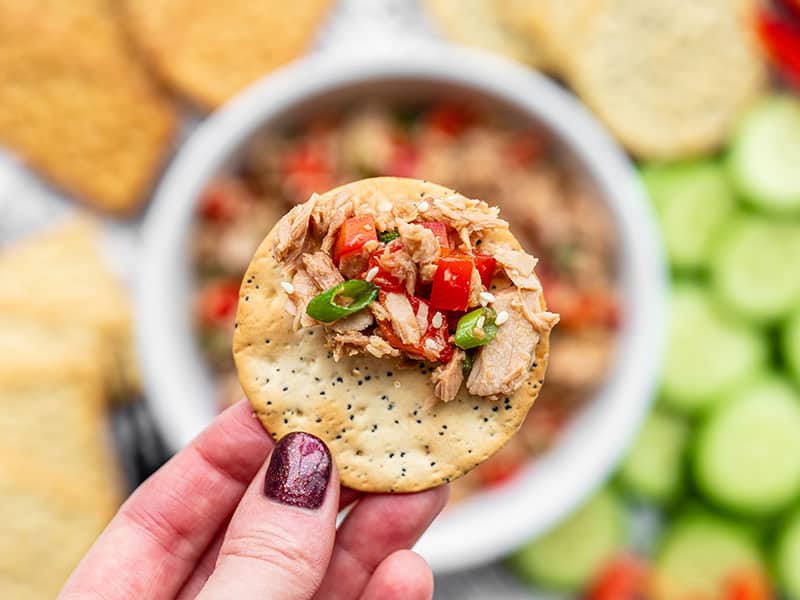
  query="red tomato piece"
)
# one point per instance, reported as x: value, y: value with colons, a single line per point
x: 485, y: 265
x: 625, y: 578
x: 403, y: 161
x: 216, y: 304
x: 781, y: 39
x: 450, y: 119
x: 219, y: 201
x: 451, y: 282
x: 747, y: 585
x: 354, y: 233
x: 498, y: 470
x: 384, y: 279
x: 440, y: 233
x: 443, y: 350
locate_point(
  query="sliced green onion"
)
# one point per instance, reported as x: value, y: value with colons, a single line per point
x: 466, y: 366
x: 342, y: 300
x: 476, y: 328
x: 387, y: 236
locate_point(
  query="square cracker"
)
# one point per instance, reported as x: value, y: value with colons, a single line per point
x: 59, y: 279
x: 78, y: 104
x: 47, y: 523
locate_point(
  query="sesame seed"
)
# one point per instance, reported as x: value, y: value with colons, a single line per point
x: 437, y: 320
x: 371, y: 274
x: 367, y: 227
x: 481, y: 322
x: 397, y: 384
x: 486, y: 298
x: 430, y: 344
x: 287, y: 287
x: 502, y: 317
x: 423, y: 206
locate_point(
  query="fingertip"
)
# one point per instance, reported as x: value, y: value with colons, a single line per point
x: 402, y: 575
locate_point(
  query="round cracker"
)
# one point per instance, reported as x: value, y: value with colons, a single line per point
x: 669, y: 79
x: 209, y: 50
x: 371, y: 412
x: 486, y: 24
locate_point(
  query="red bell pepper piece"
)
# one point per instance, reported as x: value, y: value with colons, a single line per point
x: 485, y: 265
x: 216, y: 304
x: 625, y: 578
x: 354, y: 233
x: 439, y: 335
x: 440, y: 233
x: 781, y: 39
x: 451, y: 282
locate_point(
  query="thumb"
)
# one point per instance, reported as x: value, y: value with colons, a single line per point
x: 280, y: 538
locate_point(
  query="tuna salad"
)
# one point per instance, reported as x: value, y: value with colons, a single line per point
x: 419, y: 281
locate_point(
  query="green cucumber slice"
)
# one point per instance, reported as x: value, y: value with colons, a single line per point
x: 791, y: 345
x: 698, y: 555
x: 693, y: 199
x: 568, y: 557
x: 756, y: 271
x: 747, y: 457
x: 765, y: 155
x: 653, y: 469
x: 788, y: 557
x: 708, y: 356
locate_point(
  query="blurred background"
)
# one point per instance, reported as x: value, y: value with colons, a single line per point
x: 97, y: 96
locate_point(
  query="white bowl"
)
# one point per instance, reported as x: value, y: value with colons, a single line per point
x: 179, y: 386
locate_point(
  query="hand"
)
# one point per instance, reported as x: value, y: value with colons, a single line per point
x: 235, y: 516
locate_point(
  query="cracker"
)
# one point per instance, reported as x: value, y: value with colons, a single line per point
x: 486, y: 24
x: 59, y: 279
x: 549, y: 22
x: 371, y: 412
x: 210, y: 50
x: 47, y: 524
x: 78, y: 104
x: 669, y: 79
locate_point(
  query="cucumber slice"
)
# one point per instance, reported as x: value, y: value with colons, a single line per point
x: 791, y: 345
x: 653, y: 469
x: 748, y: 454
x: 788, y: 557
x: 756, y: 271
x: 766, y: 153
x: 568, y: 557
x: 692, y: 199
x: 708, y: 356
x: 699, y: 554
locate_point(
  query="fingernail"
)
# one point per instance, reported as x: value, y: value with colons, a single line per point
x: 298, y: 471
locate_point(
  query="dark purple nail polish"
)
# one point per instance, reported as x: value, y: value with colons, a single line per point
x: 298, y: 471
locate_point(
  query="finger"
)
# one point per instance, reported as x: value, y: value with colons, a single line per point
x: 403, y: 575
x: 166, y: 525
x: 390, y: 522
x: 205, y: 566
x: 280, y: 538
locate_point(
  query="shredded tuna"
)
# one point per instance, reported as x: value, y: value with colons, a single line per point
x: 303, y: 290
x: 518, y: 266
x: 354, y: 264
x: 353, y: 342
x: 322, y: 270
x: 293, y: 231
x: 404, y: 321
x: 422, y: 317
x: 475, y: 288
x: 503, y: 364
x: 420, y: 243
x: 379, y: 347
x: 357, y: 322
x: 447, y: 378
x: 426, y: 273
x: 399, y: 264
x: 529, y: 302
x: 331, y: 217
x: 464, y: 215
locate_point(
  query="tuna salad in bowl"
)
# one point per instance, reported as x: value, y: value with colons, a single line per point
x: 472, y: 123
